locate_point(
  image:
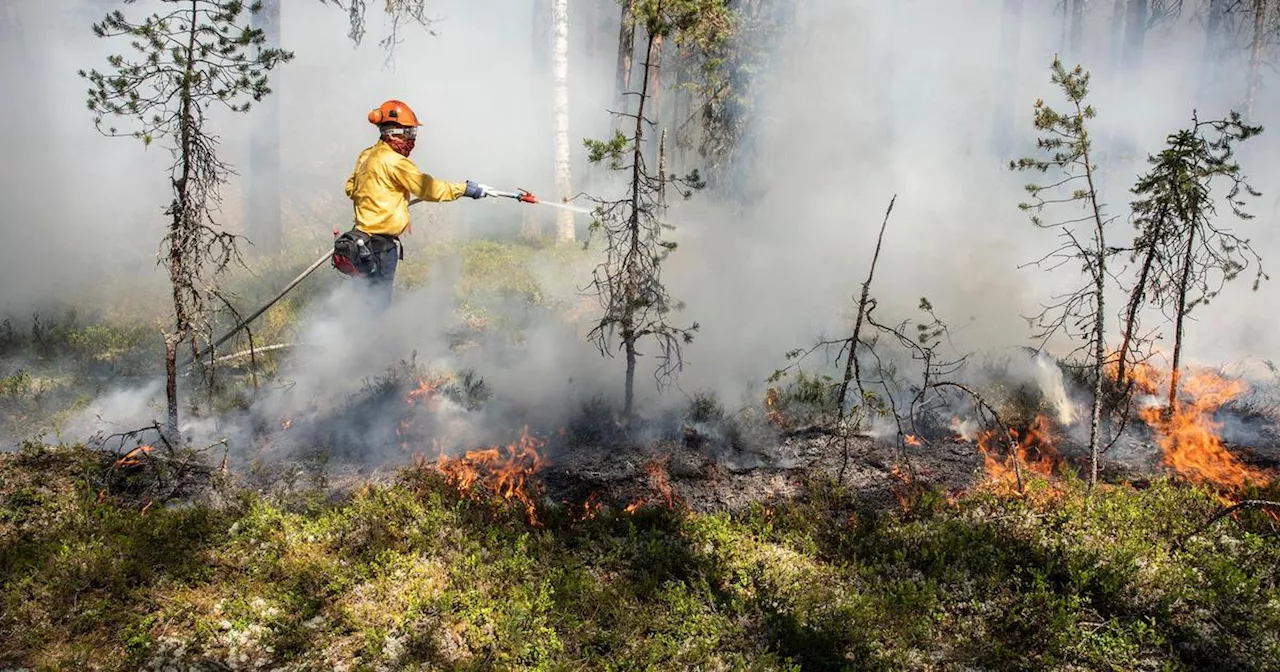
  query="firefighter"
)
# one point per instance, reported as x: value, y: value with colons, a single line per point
x: 381, y: 185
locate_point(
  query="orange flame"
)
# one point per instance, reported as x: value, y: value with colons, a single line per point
x: 591, y: 506
x: 659, y: 482
x: 133, y: 457
x: 1188, y: 434
x: 772, y: 399
x: 1033, y: 452
x: 487, y: 472
x: 912, y: 440
x: 426, y: 392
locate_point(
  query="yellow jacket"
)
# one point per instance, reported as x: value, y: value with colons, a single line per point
x: 380, y: 187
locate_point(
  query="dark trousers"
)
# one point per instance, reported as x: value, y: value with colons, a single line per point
x: 382, y: 280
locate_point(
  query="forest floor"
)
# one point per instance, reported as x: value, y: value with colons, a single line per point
x: 760, y: 540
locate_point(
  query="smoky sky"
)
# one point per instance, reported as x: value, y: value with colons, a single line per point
x: 858, y: 101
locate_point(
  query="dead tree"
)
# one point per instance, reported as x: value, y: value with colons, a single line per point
x: 1067, y: 142
x: 636, y: 305
x: 196, y: 55
x: 400, y: 13
x: 851, y: 370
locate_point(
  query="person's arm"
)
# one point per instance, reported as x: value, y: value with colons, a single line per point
x: 407, y: 176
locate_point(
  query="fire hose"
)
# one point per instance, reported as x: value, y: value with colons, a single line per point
x: 522, y: 195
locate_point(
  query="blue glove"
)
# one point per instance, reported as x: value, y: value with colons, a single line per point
x: 475, y: 190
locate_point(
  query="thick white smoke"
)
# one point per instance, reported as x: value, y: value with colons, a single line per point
x: 858, y: 101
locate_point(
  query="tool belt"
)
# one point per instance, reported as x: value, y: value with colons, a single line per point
x: 356, y: 253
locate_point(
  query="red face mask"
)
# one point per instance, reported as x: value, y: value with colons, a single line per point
x: 401, y: 144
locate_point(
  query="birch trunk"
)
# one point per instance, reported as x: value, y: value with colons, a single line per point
x: 560, y: 109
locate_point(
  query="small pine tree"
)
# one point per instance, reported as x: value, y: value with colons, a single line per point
x: 196, y: 56
x: 1068, y: 143
x: 628, y: 282
x: 1187, y: 258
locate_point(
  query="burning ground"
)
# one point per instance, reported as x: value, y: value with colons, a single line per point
x: 448, y: 566
x: 435, y: 515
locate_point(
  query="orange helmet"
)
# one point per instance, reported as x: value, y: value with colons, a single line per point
x: 393, y: 112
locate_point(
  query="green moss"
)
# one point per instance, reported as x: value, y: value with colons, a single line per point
x: 409, y: 574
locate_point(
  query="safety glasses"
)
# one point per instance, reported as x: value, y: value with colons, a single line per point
x: 409, y: 133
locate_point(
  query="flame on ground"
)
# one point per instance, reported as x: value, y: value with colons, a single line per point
x: 427, y: 391
x: 659, y: 482
x: 133, y: 457
x: 488, y: 472
x: 772, y: 400
x: 1033, y: 453
x: 1189, y: 436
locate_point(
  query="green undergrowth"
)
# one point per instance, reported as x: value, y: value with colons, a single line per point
x: 408, y: 576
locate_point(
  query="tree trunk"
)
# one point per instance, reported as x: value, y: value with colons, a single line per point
x: 1114, y: 78
x: 179, y: 231
x: 1135, y: 36
x: 1213, y: 42
x: 263, y: 225
x: 1010, y: 43
x: 631, y: 273
x: 629, y: 401
x: 626, y: 50
x: 662, y: 169
x: 1255, y: 57
x: 531, y: 219
x: 1099, y: 360
x: 653, y: 70
x: 560, y: 109
x: 1127, y: 77
x: 1117, y: 35
x: 1131, y: 312
x: 11, y: 34
x: 683, y: 114
x: 1099, y: 320
x: 1077, y: 29
x: 1183, y: 281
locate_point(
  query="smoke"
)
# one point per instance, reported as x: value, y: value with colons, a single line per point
x: 858, y: 101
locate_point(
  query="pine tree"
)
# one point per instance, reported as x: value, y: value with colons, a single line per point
x: 190, y: 59
x: 1069, y: 145
x: 636, y: 305
x: 1187, y: 256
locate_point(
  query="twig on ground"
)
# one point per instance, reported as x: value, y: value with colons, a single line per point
x: 1227, y: 511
